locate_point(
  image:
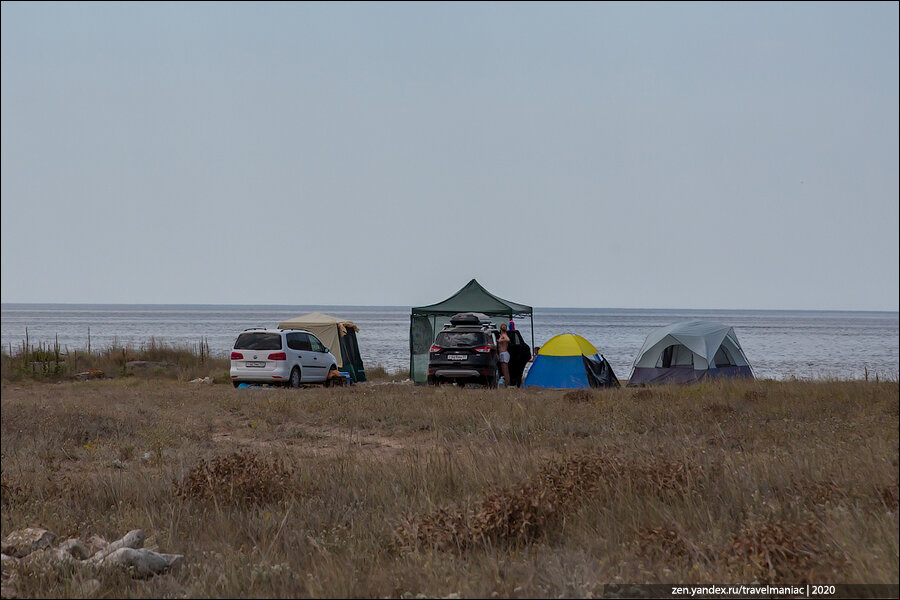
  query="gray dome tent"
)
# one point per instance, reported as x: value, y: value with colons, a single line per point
x: 689, y: 351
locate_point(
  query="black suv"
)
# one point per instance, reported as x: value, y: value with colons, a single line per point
x: 465, y: 351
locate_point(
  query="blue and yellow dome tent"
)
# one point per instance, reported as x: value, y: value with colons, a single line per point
x: 568, y: 361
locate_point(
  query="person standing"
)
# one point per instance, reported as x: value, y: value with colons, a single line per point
x: 503, y: 353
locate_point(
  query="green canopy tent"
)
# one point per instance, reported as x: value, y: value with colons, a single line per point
x: 425, y: 322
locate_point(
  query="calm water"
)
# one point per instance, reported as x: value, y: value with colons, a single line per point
x: 779, y: 344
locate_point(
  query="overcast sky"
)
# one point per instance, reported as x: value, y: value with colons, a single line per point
x: 586, y: 155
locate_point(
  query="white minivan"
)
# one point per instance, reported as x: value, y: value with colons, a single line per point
x: 286, y: 357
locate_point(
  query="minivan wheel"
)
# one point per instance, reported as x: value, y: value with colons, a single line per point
x: 295, y: 378
x: 235, y: 383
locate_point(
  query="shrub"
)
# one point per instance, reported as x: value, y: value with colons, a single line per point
x: 240, y: 478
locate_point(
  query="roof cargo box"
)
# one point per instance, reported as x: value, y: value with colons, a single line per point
x: 470, y: 318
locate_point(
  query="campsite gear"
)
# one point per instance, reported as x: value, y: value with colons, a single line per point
x: 471, y: 318
x: 425, y: 322
x: 465, y: 351
x: 568, y: 361
x: 689, y: 351
x: 338, y: 378
x: 339, y: 335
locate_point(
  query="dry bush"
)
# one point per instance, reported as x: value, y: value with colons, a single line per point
x: 377, y: 373
x: 770, y: 553
x: 443, y: 529
x: 783, y: 551
x: 381, y: 373
x: 240, y: 478
x: 517, y: 515
x: 524, y: 513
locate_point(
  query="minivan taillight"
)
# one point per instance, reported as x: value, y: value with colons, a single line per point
x: 435, y: 349
x: 484, y: 349
x: 278, y: 356
x: 237, y: 356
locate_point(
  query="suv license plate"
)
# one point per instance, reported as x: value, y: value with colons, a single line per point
x: 456, y: 357
x: 253, y: 363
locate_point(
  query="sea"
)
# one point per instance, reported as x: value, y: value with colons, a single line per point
x: 780, y: 344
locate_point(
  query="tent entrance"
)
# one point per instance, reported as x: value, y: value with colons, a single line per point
x: 723, y: 357
x: 676, y: 356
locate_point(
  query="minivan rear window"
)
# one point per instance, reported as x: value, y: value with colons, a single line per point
x: 460, y: 339
x: 258, y: 341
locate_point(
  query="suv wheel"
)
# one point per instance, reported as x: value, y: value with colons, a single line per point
x: 295, y: 378
x: 491, y: 380
x: 235, y: 383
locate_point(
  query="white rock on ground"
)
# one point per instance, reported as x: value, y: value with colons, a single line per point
x: 96, y: 544
x: 23, y: 542
x: 132, y: 539
x: 144, y: 562
x: 72, y: 549
x: 33, y: 548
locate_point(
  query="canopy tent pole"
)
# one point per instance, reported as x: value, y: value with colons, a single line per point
x: 532, y: 332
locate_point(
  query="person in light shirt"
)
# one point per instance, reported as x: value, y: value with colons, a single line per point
x: 503, y: 352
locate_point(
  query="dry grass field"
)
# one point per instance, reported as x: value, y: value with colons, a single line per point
x: 390, y: 490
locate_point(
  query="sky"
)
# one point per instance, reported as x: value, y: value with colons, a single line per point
x: 610, y: 155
